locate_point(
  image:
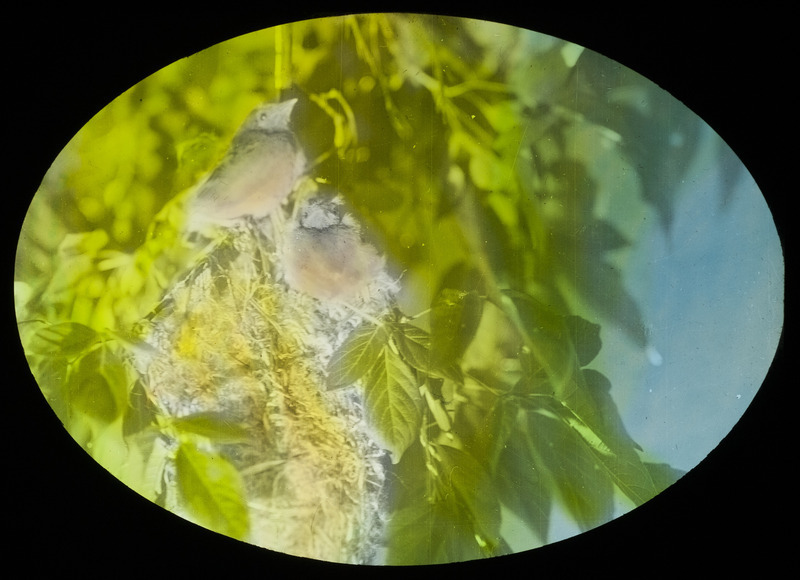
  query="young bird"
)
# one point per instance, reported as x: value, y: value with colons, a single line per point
x: 257, y: 173
x: 325, y: 255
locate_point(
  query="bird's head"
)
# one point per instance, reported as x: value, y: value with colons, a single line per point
x: 271, y: 116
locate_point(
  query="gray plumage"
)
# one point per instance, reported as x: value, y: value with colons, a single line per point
x: 325, y: 254
x: 257, y: 173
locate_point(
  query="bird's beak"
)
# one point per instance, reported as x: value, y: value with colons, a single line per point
x: 284, y: 109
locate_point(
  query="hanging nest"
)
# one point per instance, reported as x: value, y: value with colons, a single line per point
x: 232, y: 341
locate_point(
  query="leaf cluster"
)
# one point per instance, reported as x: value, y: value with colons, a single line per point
x: 467, y: 443
x: 490, y: 199
x: 87, y: 378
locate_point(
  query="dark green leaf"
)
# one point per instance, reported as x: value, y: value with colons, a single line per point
x: 455, y: 316
x: 51, y: 374
x: 551, y: 339
x: 365, y: 196
x: 415, y: 537
x: 414, y: 345
x: 212, y: 490
x: 485, y: 432
x: 609, y: 422
x: 596, y: 381
x: 468, y: 493
x: 141, y: 411
x: 522, y: 483
x: 98, y: 386
x: 593, y: 416
x: 585, y: 488
x: 602, y: 287
x: 462, y: 277
x: 524, y: 487
x: 585, y: 337
x: 545, y: 324
x: 460, y: 521
x: 66, y: 339
x: 649, y: 143
x: 464, y: 479
x: 432, y: 533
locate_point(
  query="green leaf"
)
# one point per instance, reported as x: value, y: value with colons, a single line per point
x: 525, y: 490
x: 602, y: 287
x: 356, y: 355
x: 51, y: 374
x: 459, y: 522
x: 212, y: 489
x: 561, y: 343
x: 213, y: 426
x: 465, y: 482
x: 141, y: 411
x: 522, y: 483
x: 97, y: 386
x: 414, y: 538
x: 585, y: 488
x: 65, y: 339
x: 430, y: 533
x: 630, y: 475
x: 598, y: 387
x: 593, y: 416
x: 586, y: 338
x: 414, y: 345
x: 393, y: 401
x: 455, y: 316
x: 551, y: 339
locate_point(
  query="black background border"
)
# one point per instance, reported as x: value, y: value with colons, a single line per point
x: 734, y: 69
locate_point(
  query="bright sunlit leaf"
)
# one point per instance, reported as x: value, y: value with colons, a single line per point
x: 212, y: 490
x: 356, y: 356
x: 393, y: 401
